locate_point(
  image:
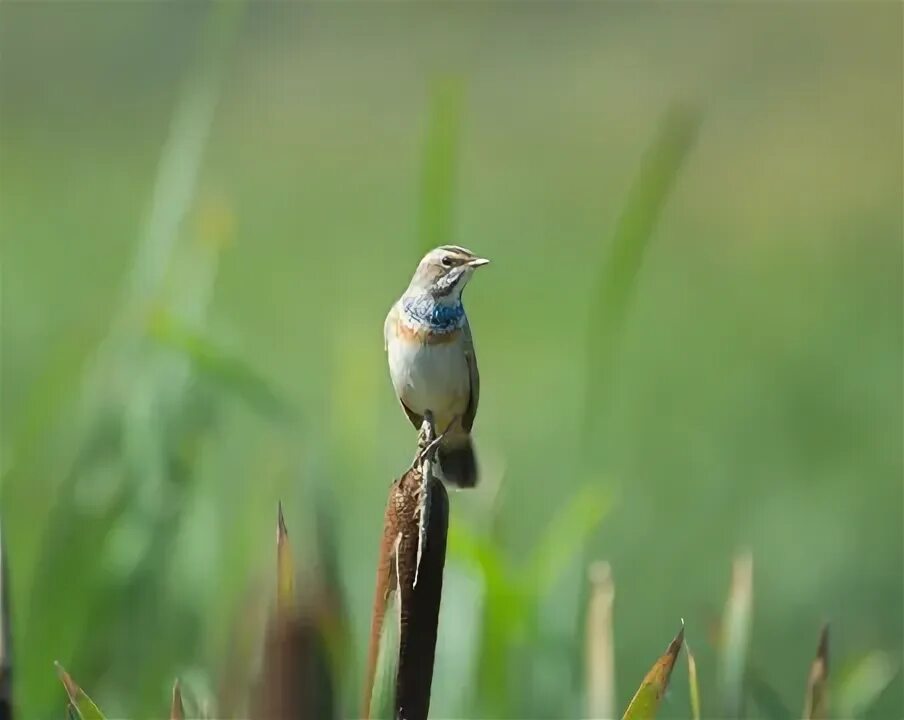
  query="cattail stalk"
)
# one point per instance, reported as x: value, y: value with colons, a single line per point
x: 410, y: 577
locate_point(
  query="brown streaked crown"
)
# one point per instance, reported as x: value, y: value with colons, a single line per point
x: 445, y: 269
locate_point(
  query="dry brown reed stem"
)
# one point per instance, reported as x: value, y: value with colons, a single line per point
x: 411, y: 561
x: 600, y: 643
x: 817, y: 702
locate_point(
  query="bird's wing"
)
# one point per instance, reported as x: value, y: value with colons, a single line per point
x: 467, y: 420
x: 387, y: 326
x: 416, y: 420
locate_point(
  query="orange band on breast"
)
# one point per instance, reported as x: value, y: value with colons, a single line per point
x: 424, y: 336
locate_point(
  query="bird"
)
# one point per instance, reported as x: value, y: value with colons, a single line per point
x: 432, y: 363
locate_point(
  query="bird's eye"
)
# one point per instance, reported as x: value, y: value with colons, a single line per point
x: 447, y: 261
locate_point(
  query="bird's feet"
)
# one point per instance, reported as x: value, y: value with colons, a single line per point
x: 427, y: 442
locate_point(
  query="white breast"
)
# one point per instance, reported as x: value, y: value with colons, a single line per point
x: 430, y: 376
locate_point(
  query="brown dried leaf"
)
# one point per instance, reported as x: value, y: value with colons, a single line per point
x: 78, y: 698
x: 645, y: 703
x: 285, y: 570
x: 177, y: 710
x: 296, y: 681
x: 816, y: 704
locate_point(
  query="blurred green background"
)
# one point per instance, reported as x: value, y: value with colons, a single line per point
x: 206, y: 213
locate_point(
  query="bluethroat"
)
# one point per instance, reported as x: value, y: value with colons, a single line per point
x: 431, y: 357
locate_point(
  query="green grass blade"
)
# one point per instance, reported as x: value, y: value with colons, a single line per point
x: 383, y: 696
x: 765, y: 696
x: 228, y: 371
x: 567, y: 533
x: 135, y: 423
x: 181, y: 159
x: 735, y: 637
x: 78, y: 699
x: 693, y: 685
x: 334, y: 604
x: 621, y: 264
x: 645, y: 703
x: 817, y: 701
x: 862, y: 684
x: 439, y: 163
x: 506, y: 606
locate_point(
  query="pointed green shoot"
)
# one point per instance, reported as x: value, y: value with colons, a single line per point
x: 693, y: 685
x: 646, y: 700
x: 78, y: 699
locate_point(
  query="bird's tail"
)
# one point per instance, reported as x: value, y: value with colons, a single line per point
x: 457, y: 460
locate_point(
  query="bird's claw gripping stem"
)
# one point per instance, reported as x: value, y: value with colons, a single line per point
x: 427, y: 441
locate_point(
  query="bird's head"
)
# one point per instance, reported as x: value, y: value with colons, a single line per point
x: 445, y: 271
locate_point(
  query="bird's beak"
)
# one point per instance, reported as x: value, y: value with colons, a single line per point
x: 477, y: 262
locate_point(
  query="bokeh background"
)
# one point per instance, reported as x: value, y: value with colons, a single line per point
x: 207, y: 210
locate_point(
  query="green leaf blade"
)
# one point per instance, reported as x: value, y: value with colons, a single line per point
x: 440, y: 157
x: 735, y: 636
x: 863, y: 683
x: 383, y: 696
x: 567, y: 533
x: 620, y: 266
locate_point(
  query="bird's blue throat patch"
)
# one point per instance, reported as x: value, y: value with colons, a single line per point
x: 440, y: 318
